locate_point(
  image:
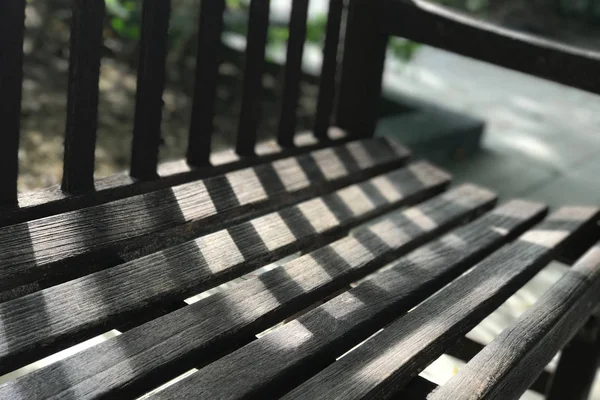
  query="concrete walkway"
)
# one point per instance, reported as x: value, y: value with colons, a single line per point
x: 542, y: 142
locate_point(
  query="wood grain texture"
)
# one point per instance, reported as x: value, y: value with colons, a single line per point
x: 12, y: 21
x: 505, y: 368
x: 82, y: 100
x: 292, y: 75
x: 150, y: 85
x: 210, y: 28
x: 137, y: 359
x: 117, y: 294
x: 384, y: 364
x: 250, y: 113
x: 88, y: 239
x: 280, y: 360
x: 50, y: 201
x: 328, y: 79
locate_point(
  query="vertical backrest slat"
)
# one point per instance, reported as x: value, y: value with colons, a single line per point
x: 207, y: 72
x: 292, y: 73
x: 150, y: 86
x: 258, y: 25
x: 362, y: 68
x: 327, y: 85
x: 12, y: 26
x: 82, y: 101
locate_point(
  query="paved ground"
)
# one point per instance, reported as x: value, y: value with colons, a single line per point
x: 542, y: 142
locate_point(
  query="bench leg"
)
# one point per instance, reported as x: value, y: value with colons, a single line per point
x: 577, y: 365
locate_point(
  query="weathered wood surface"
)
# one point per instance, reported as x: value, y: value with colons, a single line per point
x: 121, y: 291
x: 274, y: 364
x: 80, y: 241
x: 202, y: 331
x: 51, y: 201
x: 210, y: 28
x: 384, y: 364
x: 252, y: 89
x: 12, y: 21
x: 82, y: 99
x: 150, y: 85
x: 505, y: 368
x: 292, y: 73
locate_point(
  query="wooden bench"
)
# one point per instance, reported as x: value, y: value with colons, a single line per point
x: 253, y: 273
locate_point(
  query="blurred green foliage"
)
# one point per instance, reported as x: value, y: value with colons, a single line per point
x: 125, y: 20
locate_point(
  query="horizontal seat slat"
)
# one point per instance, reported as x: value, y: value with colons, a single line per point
x: 506, y: 367
x: 108, y: 232
x: 51, y: 201
x: 203, y: 330
x: 302, y: 347
x: 387, y: 362
x: 172, y: 275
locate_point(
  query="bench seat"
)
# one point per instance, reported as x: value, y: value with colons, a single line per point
x: 360, y: 235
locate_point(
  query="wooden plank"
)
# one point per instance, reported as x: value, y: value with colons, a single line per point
x: 258, y: 24
x: 111, y: 233
x: 365, y: 47
x: 384, y: 364
x: 301, y: 348
x: 292, y: 75
x: 50, y: 201
x: 82, y: 101
x: 12, y: 17
x: 471, y: 37
x: 505, y: 368
x: 328, y: 82
x: 128, y: 365
x: 208, y: 261
x: 150, y: 85
x: 210, y: 28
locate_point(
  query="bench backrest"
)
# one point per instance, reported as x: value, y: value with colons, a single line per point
x: 368, y: 25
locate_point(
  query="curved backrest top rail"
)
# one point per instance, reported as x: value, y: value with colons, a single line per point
x: 87, y: 22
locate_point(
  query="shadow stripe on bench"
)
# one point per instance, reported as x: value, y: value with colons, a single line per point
x: 50, y: 201
x: 387, y: 362
x: 505, y: 368
x: 105, y: 233
x: 300, y: 348
x: 202, y: 331
x: 173, y: 274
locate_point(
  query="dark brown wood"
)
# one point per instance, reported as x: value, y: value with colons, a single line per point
x: 387, y: 362
x: 119, y: 293
x: 102, y: 236
x: 258, y: 24
x: 51, y: 201
x: 578, y: 363
x: 468, y: 36
x: 82, y: 101
x: 206, y: 329
x: 292, y: 76
x: 362, y: 68
x: 210, y: 28
x: 150, y: 85
x: 301, y: 348
x: 508, y: 366
x: 328, y: 79
x: 12, y: 17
